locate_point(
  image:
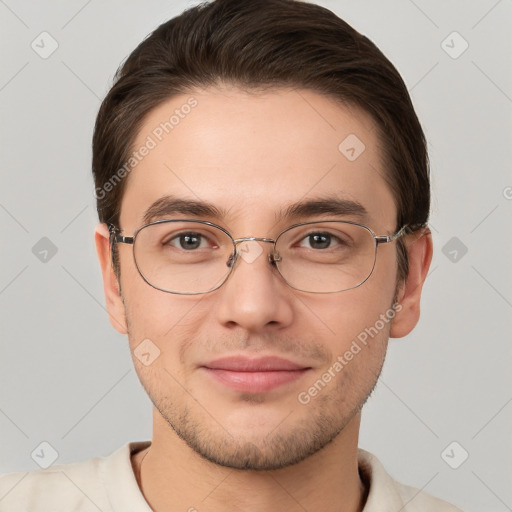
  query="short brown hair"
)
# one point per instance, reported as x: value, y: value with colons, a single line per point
x: 261, y: 45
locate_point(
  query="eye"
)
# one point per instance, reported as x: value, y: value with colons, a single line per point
x: 188, y: 241
x: 319, y: 240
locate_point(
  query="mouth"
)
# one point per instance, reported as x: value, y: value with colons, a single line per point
x: 254, y: 375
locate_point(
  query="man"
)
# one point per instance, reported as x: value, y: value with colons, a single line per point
x: 263, y: 192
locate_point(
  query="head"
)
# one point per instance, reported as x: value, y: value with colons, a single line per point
x: 240, y: 112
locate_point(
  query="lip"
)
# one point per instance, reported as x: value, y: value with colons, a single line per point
x: 254, y: 375
x: 256, y: 364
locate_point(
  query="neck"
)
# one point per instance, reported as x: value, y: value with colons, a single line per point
x: 173, y: 477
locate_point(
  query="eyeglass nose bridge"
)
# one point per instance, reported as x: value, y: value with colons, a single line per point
x: 273, y: 257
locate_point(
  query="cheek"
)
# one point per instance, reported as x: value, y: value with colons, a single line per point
x: 161, y: 328
x: 156, y: 321
x: 351, y: 314
x: 150, y: 313
x: 354, y: 325
x: 164, y: 325
x: 163, y: 317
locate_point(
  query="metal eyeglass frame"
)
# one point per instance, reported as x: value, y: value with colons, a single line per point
x: 116, y: 237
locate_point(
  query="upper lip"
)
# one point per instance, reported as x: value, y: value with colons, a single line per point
x: 259, y: 364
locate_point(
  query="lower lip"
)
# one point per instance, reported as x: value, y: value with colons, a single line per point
x: 255, y: 382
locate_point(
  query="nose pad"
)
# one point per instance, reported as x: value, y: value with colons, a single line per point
x: 232, y: 260
x: 274, y: 258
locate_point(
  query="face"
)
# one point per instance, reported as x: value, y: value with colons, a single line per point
x: 252, y: 156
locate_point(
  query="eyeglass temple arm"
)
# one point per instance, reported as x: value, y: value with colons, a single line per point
x: 120, y: 239
x: 404, y: 230
x: 116, y: 238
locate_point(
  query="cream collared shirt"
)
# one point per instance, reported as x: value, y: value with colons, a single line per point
x: 108, y: 484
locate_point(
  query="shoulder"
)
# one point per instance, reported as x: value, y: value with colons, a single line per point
x: 420, y: 501
x: 387, y: 494
x: 77, y: 486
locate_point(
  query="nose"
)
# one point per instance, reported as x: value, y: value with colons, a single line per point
x: 254, y: 297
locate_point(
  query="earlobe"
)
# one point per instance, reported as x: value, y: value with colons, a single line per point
x: 114, y: 302
x: 419, y: 250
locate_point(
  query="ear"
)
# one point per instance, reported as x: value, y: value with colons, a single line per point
x: 114, y: 302
x: 419, y: 249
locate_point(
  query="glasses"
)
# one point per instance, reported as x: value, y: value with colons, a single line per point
x: 194, y: 256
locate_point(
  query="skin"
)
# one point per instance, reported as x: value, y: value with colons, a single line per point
x: 253, y: 154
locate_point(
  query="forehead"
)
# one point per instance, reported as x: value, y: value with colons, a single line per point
x: 252, y: 155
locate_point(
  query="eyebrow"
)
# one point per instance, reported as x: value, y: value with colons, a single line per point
x: 331, y: 205
x: 167, y: 206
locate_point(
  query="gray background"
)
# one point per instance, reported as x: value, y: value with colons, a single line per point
x: 66, y: 376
